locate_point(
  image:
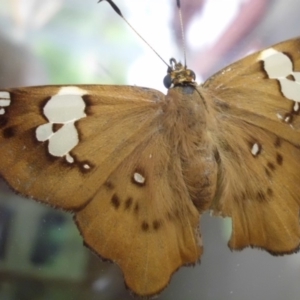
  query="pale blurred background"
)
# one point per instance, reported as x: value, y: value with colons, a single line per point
x: 75, y: 41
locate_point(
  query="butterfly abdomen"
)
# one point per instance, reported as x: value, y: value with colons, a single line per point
x: 186, y: 124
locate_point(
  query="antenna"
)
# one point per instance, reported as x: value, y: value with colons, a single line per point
x: 182, y: 30
x: 118, y: 11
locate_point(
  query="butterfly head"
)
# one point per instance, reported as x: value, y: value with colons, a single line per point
x: 179, y: 75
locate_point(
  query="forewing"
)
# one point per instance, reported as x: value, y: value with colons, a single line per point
x: 255, y: 124
x: 59, y: 144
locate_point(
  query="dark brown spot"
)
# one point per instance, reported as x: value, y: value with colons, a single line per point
x: 136, y: 208
x: 279, y: 159
x: 243, y: 196
x: 109, y: 185
x: 268, y: 173
x: 277, y: 142
x: 260, y: 196
x: 128, y: 203
x: 271, y: 166
x: 115, y: 201
x: 3, y: 121
x: 291, y: 77
x: 156, y: 224
x: 270, y: 192
x: 9, y: 132
x: 56, y: 127
x: 145, y: 226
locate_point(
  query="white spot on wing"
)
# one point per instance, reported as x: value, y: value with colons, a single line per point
x: 4, y: 101
x: 71, y: 90
x: 255, y: 149
x: 69, y: 158
x: 279, y: 116
x: 290, y: 89
x: 279, y: 66
x: 44, y: 132
x: 296, y: 106
x: 5, y: 96
x: 138, y: 178
x: 64, y: 108
x: 86, y: 166
x: 266, y: 53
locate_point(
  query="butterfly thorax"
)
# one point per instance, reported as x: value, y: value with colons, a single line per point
x: 185, y: 121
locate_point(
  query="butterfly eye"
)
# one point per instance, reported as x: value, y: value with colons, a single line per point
x: 192, y: 74
x: 168, y: 81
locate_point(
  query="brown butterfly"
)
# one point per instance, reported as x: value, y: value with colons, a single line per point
x: 137, y: 168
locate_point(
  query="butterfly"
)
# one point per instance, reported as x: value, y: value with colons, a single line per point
x: 138, y: 168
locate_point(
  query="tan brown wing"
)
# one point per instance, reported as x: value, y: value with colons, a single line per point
x: 255, y: 125
x: 142, y: 218
x: 109, y: 122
